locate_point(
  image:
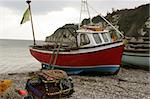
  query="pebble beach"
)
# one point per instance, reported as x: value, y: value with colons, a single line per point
x: 128, y: 84
x: 16, y: 64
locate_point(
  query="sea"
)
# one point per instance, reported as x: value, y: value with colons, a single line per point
x: 15, y: 56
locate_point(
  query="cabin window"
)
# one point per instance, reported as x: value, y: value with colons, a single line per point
x: 97, y: 38
x: 104, y: 35
x: 84, y: 39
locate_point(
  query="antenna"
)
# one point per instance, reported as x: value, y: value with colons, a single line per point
x: 84, y: 8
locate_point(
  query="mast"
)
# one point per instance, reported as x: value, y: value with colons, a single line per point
x: 88, y: 12
x: 84, y: 8
x: 28, y: 2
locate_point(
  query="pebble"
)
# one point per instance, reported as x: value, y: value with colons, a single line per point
x: 128, y: 84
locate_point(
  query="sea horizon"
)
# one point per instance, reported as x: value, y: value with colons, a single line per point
x: 19, y: 39
x: 15, y: 56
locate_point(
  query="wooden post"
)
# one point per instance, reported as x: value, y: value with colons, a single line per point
x: 28, y: 1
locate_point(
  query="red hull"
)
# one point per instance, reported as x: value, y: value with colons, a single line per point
x: 110, y: 56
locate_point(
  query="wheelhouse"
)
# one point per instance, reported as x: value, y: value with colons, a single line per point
x: 86, y: 36
x: 89, y: 38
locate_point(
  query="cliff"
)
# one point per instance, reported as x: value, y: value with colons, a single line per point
x: 132, y: 22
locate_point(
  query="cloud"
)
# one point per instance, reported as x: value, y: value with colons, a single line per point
x: 44, y: 25
x: 48, y: 15
x: 45, y: 6
x: 39, y: 6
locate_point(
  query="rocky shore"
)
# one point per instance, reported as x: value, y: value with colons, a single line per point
x: 128, y: 84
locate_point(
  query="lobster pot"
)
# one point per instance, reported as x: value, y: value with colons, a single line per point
x: 50, y: 84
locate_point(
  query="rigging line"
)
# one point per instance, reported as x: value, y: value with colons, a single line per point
x: 107, y: 21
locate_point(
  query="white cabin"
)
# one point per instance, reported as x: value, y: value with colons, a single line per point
x: 89, y: 38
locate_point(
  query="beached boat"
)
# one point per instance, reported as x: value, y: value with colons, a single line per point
x: 89, y: 50
x: 136, y: 52
x: 85, y: 49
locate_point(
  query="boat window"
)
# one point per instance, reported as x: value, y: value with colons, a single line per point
x: 97, y: 38
x: 84, y: 39
x: 104, y: 35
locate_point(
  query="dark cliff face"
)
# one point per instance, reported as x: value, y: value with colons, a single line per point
x: 130, y: 21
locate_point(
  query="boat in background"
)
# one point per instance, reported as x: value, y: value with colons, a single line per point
x: 136, y: 53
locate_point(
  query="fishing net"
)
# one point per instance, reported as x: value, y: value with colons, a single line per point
x: 65, y: 35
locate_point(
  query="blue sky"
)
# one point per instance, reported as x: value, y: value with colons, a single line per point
x: 48, y: 15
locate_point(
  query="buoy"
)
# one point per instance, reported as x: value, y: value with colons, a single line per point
x: 22, y: 93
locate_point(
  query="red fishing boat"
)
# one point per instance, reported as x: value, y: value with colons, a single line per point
x: 88, y: 48
x: 91, y: 50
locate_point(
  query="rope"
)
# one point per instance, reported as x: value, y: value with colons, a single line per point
x: 53, y: 74
x: 53, y: 62
x: 107, y: 22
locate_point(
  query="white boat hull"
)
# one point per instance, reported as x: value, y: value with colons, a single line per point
x: 137, y: 60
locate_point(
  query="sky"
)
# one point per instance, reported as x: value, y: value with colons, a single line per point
x: 48, y: 15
